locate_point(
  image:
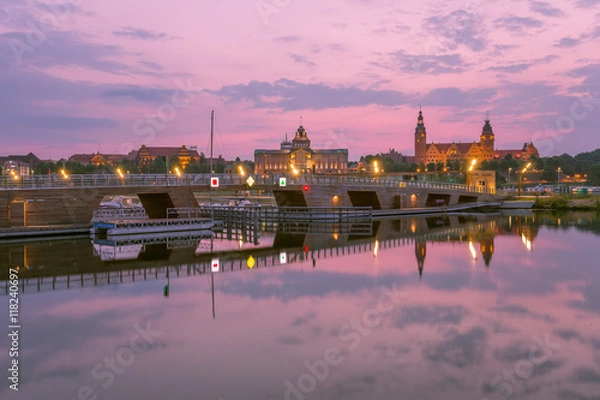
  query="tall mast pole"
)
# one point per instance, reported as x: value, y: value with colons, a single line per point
x: 212, y: 274
x: 212, y: 132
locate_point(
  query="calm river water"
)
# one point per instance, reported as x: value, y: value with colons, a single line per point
x: 457, y: 307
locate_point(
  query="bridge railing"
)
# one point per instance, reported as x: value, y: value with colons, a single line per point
x: 109, y: 180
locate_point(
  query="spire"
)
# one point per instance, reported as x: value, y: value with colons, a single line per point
x: 420, y: 122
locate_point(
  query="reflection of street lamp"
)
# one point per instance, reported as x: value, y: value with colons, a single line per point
x: 521, y: 178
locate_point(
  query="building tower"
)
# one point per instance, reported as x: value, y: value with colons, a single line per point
x: 286, y: 144
x: 486, y: 245
x: 487, y: 140
x: 420, y: 140
x: 301, y: 141
x: 420, y: 253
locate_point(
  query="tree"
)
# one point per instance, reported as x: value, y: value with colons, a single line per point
x: 158, y: 166
x: 549, y: 175
x: 594, y: 175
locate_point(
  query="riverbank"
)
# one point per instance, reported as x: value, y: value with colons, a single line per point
x: 567, y: 202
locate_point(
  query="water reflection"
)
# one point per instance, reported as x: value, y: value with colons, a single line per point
x: 476, y: 300
x: 111, y: 261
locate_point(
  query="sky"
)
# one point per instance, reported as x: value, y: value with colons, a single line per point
x: 102, y: 75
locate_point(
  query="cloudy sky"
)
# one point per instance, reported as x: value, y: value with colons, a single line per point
x: 84, y: 75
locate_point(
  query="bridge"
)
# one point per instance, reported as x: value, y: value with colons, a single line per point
x: 69, y: 201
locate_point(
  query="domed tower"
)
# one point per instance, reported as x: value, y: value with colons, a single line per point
x: 487, y: 140
x: 420, y: 140
x: 301, y: 141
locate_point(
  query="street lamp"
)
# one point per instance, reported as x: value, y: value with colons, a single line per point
x: 509, y: 169
x: 473, y: 162
x: 241, y: 169
x: 521, y: 178
x: 471, y: 167
x: 558, y: 175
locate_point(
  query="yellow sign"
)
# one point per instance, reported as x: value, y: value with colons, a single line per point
x: 250, y: 181
x: 250, y: 262
x: 402, y: 184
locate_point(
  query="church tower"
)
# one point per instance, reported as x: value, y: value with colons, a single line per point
x: 487, y: 140
x: 420, y: 140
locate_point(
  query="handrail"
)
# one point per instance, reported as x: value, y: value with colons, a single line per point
x: 132, y: 180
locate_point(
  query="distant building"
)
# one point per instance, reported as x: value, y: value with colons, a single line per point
x: 146, y: 155
x: 98, y: 159
x: 447, y: 152
x: 30, y: 159
x: 298, y: 155
x: 394, y: 155
x: 12, y: 167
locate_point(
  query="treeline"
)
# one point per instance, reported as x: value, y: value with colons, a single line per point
x: 126, y: 166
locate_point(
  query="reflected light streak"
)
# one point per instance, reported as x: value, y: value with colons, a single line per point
x: 526, y: 241
x: 472, y: 250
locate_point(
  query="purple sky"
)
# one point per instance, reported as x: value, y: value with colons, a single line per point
x: 107, y: 74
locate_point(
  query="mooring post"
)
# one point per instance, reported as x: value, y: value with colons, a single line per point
x: 229, y: 223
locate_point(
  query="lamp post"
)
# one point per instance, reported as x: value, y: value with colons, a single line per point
x: 509, y: 170
x: 521, y: 178
x: 376, y: 169
x: 558, y: 175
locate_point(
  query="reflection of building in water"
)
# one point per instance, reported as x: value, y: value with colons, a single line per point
x: 420, y: 253
x: 84, y: 261
x: 526, y: 227
x: 487, y: 248
x: 482, y: 233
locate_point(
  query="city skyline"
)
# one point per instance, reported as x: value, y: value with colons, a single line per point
x: 86, y: 76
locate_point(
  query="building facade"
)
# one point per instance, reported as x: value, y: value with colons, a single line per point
x: 298, y: 157
x: 444, y: 153
x: 146, y: 155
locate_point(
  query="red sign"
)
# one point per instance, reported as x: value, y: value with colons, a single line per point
x: 214, y: 182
